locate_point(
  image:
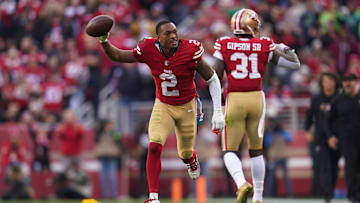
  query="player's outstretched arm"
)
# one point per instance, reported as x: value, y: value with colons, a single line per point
x: 206, y: 72
x: 115, y: 54
x: 286, y: 57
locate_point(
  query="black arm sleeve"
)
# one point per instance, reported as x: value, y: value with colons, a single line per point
x: 310, y: 114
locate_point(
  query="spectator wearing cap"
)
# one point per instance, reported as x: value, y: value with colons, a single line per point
x: 344, y: 131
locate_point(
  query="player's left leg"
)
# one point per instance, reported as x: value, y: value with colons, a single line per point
x: 185, y: 129
x: 255, y: 131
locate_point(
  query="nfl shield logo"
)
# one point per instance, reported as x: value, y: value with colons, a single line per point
x: 166, y: 62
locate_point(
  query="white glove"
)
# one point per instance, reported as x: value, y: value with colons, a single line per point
x: 103, y: 39
x: 218, y: 121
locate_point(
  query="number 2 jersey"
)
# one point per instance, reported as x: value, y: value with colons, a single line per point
x: 173, y: 76
x: 245, y: 61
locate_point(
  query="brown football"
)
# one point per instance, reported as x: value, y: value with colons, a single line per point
x: 99, y: 25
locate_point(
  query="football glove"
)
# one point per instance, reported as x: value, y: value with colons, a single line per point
x: 103, y: 39
x: 218, y: 121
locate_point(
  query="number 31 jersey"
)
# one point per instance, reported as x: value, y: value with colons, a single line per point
x: 245, y: 61
x: 173, y: 76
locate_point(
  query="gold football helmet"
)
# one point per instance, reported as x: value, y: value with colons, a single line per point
x: 246, y: 21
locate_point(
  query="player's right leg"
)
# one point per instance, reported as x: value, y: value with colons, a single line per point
x: 255, y: 133
x: 235, y: 115
x: 160, y: 127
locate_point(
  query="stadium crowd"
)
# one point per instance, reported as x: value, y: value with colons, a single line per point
x: 50, y: 69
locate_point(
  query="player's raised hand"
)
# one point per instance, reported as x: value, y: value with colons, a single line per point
x: 218, y: 121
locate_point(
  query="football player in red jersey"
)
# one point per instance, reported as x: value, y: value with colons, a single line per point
x: 244, y: 58
x: 173, y: 63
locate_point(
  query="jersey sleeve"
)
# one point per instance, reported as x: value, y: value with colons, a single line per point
x: 198, y: 50
x: 217, y: 54
x: 268, y: 44
x: 140, y: 51
x: 218, y: 47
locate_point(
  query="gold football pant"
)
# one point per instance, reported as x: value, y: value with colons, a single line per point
x: 244, y: 112
x: 165, y: 117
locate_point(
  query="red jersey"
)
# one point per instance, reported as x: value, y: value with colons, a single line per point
x: 73, y: 71
x: 9, y: 154
x: 34, y: 76
x: 71, y: 136
x: 245, y: 61
x: 54, y: 93
x: 173, y: 76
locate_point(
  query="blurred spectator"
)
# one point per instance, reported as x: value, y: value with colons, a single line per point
x: 325, y: 160
x: 276, y: 141
x: 39, y: 135
x: 74, y: 183
x: 54, y: 91
x: 129, y: 84
x: 13, y: 151
x: 354, y: 65
x: 34, y: 73
x: 19, y: 184
x: 108, y: 150
x: 41, y: 149
x: 96, y: 79
x: 71, y: 134
x: 275, y: 97
x: 342, y: 47
x: 12, y: 112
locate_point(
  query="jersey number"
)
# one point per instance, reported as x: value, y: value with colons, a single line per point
x: 241, y: 71
x: 168, y: 75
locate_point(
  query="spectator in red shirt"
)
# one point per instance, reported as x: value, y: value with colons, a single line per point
x: 34, y: 73
x: 54, y: 90
x: 71, y: 133
x: 14, y: 151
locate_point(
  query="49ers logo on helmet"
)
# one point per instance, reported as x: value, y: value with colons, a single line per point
x: 246, y: 21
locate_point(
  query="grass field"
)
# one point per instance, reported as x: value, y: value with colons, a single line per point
x: 218, y: 200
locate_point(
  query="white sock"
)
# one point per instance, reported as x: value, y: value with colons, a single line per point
x: 154, y: 196
x: 258, y: 175
x: 233, y: 165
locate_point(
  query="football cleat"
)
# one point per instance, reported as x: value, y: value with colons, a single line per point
x: 246, y: 21
x: 152, y: 201
x: 194, y: 168
x: 243, y: 192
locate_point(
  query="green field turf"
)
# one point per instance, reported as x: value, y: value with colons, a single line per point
x: 217, y: 200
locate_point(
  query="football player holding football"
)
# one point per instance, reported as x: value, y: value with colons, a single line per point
x: 244, y: 57
x: 173, y: 63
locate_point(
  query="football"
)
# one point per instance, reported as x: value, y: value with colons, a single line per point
x: 99, y: 25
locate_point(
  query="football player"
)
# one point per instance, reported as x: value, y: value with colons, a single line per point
x: 173, y: 63
x: 244, y: 58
